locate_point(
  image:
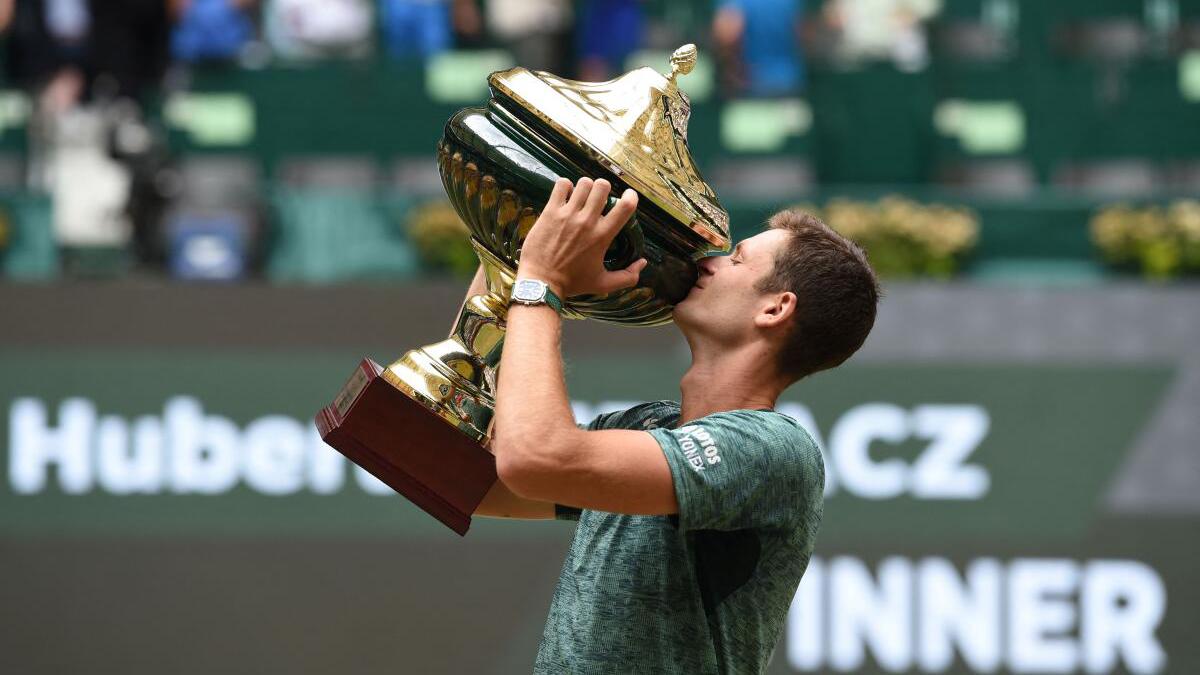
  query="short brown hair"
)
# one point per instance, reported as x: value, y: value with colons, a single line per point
x: 836, y: 294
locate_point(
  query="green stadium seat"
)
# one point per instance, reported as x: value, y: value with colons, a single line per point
x: 1115, y: 179
x: 1184, y: 177
x: 971, y: 41
x: 772, y: 179
x: 219, y: 180
x: 417, y: 177
x: 32, y: 253
x: 328, y: 235
x: 338, y: 172
x: 1107, y: 41
x: 1005, y: 177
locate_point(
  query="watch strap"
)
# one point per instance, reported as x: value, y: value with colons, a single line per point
x: 553, y: 300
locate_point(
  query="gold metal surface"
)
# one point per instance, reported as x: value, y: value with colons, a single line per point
x: 636, y: 127
x: 456, y: 378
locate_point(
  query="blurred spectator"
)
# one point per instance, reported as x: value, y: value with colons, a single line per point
x: 89, y: 64
x: 129, y: 47
x: 422, y: 28
x: 46, y: 49
x: 537, y: 32
x: 874, y: 30
x: 210, y: 30
x: 609, y: 31
x: 305, y: 29
x: 758, y: 46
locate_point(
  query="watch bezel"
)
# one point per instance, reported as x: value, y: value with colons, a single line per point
x: 522, y: 285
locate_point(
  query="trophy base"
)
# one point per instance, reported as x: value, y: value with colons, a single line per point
x: 408, y: 447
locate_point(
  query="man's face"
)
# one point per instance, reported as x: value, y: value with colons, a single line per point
x: 724, y: 301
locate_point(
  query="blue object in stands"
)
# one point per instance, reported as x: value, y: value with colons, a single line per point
x: 415, y: 28
x: 610, y: 30
x: 208, y: 247
x: 770, y: 45
x: 210, y: 30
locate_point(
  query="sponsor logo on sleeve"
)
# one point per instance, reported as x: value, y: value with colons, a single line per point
x: 699, y: 447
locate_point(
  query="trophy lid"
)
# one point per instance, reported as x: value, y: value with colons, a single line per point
x: 635, y: 126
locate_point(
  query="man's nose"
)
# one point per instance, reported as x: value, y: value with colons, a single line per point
x: 708, y: 264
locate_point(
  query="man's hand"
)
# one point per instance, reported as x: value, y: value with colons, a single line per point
x: 565, y: 248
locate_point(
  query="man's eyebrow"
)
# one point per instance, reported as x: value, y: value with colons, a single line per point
x: 737, y: 249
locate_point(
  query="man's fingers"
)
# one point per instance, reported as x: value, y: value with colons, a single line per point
x: 619, y: 279
x: 620, y: 213
x: 560, y: 192
x: 597, y: 199
x: 583, y: 188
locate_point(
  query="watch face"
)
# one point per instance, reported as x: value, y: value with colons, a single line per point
x: 529, y: 290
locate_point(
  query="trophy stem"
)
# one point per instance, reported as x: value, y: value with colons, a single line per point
x: 456, y: 378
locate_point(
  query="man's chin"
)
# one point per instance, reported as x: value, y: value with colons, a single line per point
x: 682, y: 311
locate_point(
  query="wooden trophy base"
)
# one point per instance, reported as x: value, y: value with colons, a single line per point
x: 408, y: 447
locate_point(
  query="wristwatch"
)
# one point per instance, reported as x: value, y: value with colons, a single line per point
x: 535, y: 292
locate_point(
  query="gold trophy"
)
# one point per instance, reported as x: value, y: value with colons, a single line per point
x: 422, y: 424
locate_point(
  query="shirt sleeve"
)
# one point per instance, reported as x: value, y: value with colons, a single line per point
x: 742, y: 469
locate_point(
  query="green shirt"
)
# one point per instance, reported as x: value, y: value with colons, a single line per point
x: 708, y: 590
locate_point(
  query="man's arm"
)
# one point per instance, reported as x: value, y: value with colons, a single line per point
x: 500, y: 502
x: 540, y: 454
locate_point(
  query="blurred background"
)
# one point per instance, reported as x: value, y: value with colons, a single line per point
x: 211, y: 209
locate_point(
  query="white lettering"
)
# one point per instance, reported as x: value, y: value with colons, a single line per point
x: 954, y: 614
x: 940, y: 471
x: 697, y: 446
x: 1018, y: 617
x: 1123, y: 602
x: 34, y: 446
x: 123, y: 467
x: 274, y: 455
x: 1041, y: 613
x: 863, y: 613
x: 189, y: 451
x: 955, y: 430
x: 204, y: 450
x: 850, y: 444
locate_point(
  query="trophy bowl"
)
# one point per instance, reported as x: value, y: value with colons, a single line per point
x: 422, y: 424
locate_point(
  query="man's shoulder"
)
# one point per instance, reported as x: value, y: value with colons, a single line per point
x: 762, y: 429
x: 648, y: 415
x: 757, y: 422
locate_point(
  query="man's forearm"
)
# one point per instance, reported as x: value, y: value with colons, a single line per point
x: 533, y: 412
x: 500, y: 502
x: 535, y: 437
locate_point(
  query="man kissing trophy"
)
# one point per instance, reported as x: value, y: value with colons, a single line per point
x: 422, y: 424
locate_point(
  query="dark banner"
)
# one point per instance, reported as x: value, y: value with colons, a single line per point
x: 969, y: 525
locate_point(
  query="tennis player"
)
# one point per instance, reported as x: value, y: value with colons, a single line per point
x: 696, y: 519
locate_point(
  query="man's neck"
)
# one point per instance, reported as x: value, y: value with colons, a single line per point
x: 728, y: 380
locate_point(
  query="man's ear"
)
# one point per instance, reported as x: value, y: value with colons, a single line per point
x: 777, y: 311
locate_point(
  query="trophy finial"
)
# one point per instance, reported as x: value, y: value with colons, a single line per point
x: 683, y: 60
